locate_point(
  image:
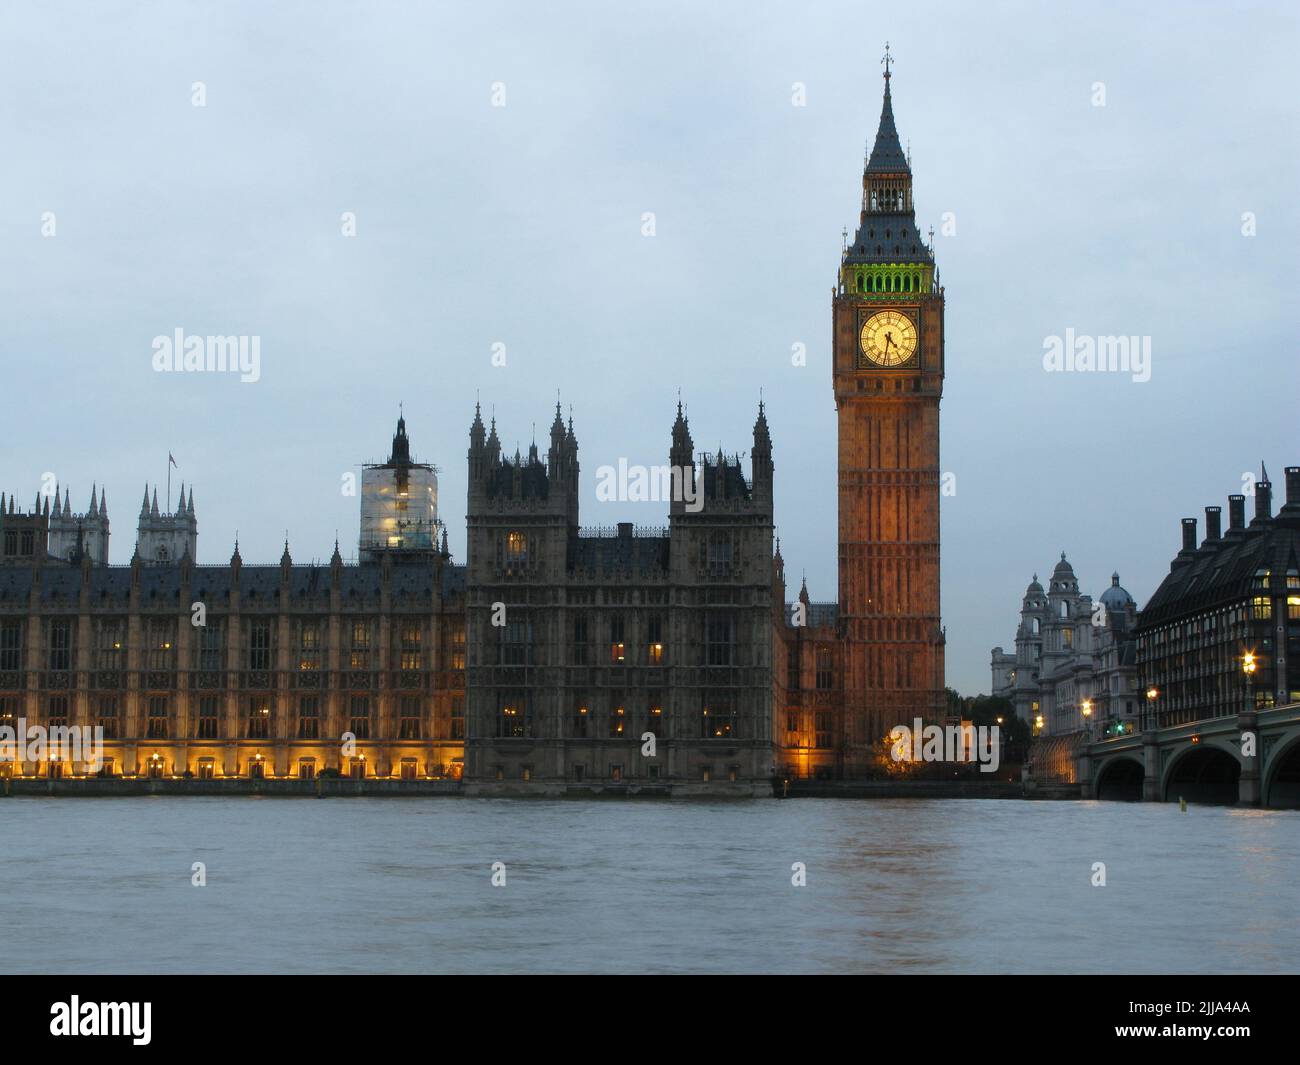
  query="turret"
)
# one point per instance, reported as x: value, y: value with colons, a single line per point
x: 761, y: 457
x: 74, y: 536
x: 166, y: 538
x: 399, y: 503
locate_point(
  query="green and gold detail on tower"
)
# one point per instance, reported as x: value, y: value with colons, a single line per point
x: 886, y: 280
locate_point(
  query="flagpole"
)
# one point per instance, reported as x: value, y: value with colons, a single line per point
x: 169, y: 482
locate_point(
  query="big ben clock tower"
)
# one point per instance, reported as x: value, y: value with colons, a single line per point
x: 888, y: 377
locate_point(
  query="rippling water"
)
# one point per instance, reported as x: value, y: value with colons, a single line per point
x: 403, y: 885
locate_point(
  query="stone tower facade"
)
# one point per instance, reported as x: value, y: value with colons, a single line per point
x: 73, y: 536
x: 888, y: 373
x: 618, y: 659
x: 167, y: 537
x: 24, y: 535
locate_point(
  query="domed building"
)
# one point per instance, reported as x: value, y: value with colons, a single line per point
x: 1074, y: 665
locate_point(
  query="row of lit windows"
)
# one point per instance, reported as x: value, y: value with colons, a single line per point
x: 255, y: 719
x: 578, y: 772
x: 210, y: 654
x: 717, y: 718
x: 256, y: 769
x: 517, y: 644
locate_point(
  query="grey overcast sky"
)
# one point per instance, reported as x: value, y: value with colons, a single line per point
x: 522, y: 225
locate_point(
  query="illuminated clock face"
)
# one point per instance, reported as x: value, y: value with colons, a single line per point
x: 888, y: 338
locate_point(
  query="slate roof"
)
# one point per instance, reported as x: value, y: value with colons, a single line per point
x: 532, y: 477
x: 819, y: 615
x: 1220, y: 573
x: 213, y: 583
x: 734, y: 485
x: 889, y: 238
x: 887, y: 154
x: 612, y: 554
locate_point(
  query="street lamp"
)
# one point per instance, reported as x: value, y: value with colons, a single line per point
x: 1152, y: 695
x: 1248, y: 667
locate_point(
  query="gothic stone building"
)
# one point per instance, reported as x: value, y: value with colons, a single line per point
x: 286, y: 658
x: 556, y: 658
x: 596, y: 659
x: 636, y: 658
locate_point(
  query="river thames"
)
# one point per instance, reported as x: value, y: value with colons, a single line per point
x: 405, y: 885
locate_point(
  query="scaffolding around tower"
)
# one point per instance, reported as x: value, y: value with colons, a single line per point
x: 399, y: 503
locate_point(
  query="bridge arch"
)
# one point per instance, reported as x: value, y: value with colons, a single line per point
x: 1120, y: 779
x: 1282, y: 776
x: 1203, y: 772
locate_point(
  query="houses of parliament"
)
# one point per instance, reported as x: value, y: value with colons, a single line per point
x: 554, y: 658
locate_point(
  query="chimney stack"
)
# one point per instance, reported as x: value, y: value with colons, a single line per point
x: 1263, y: 501
x: 1236, y: 514
x: 1212, y: 526
x: 1293, y: 486
x: 1188, y: 552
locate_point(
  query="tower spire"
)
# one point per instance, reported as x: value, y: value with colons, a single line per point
x: 887, y: 155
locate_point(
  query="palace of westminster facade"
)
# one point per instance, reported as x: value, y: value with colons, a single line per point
x: 556, y: 658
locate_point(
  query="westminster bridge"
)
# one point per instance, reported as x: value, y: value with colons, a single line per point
x: 1252, y: 759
